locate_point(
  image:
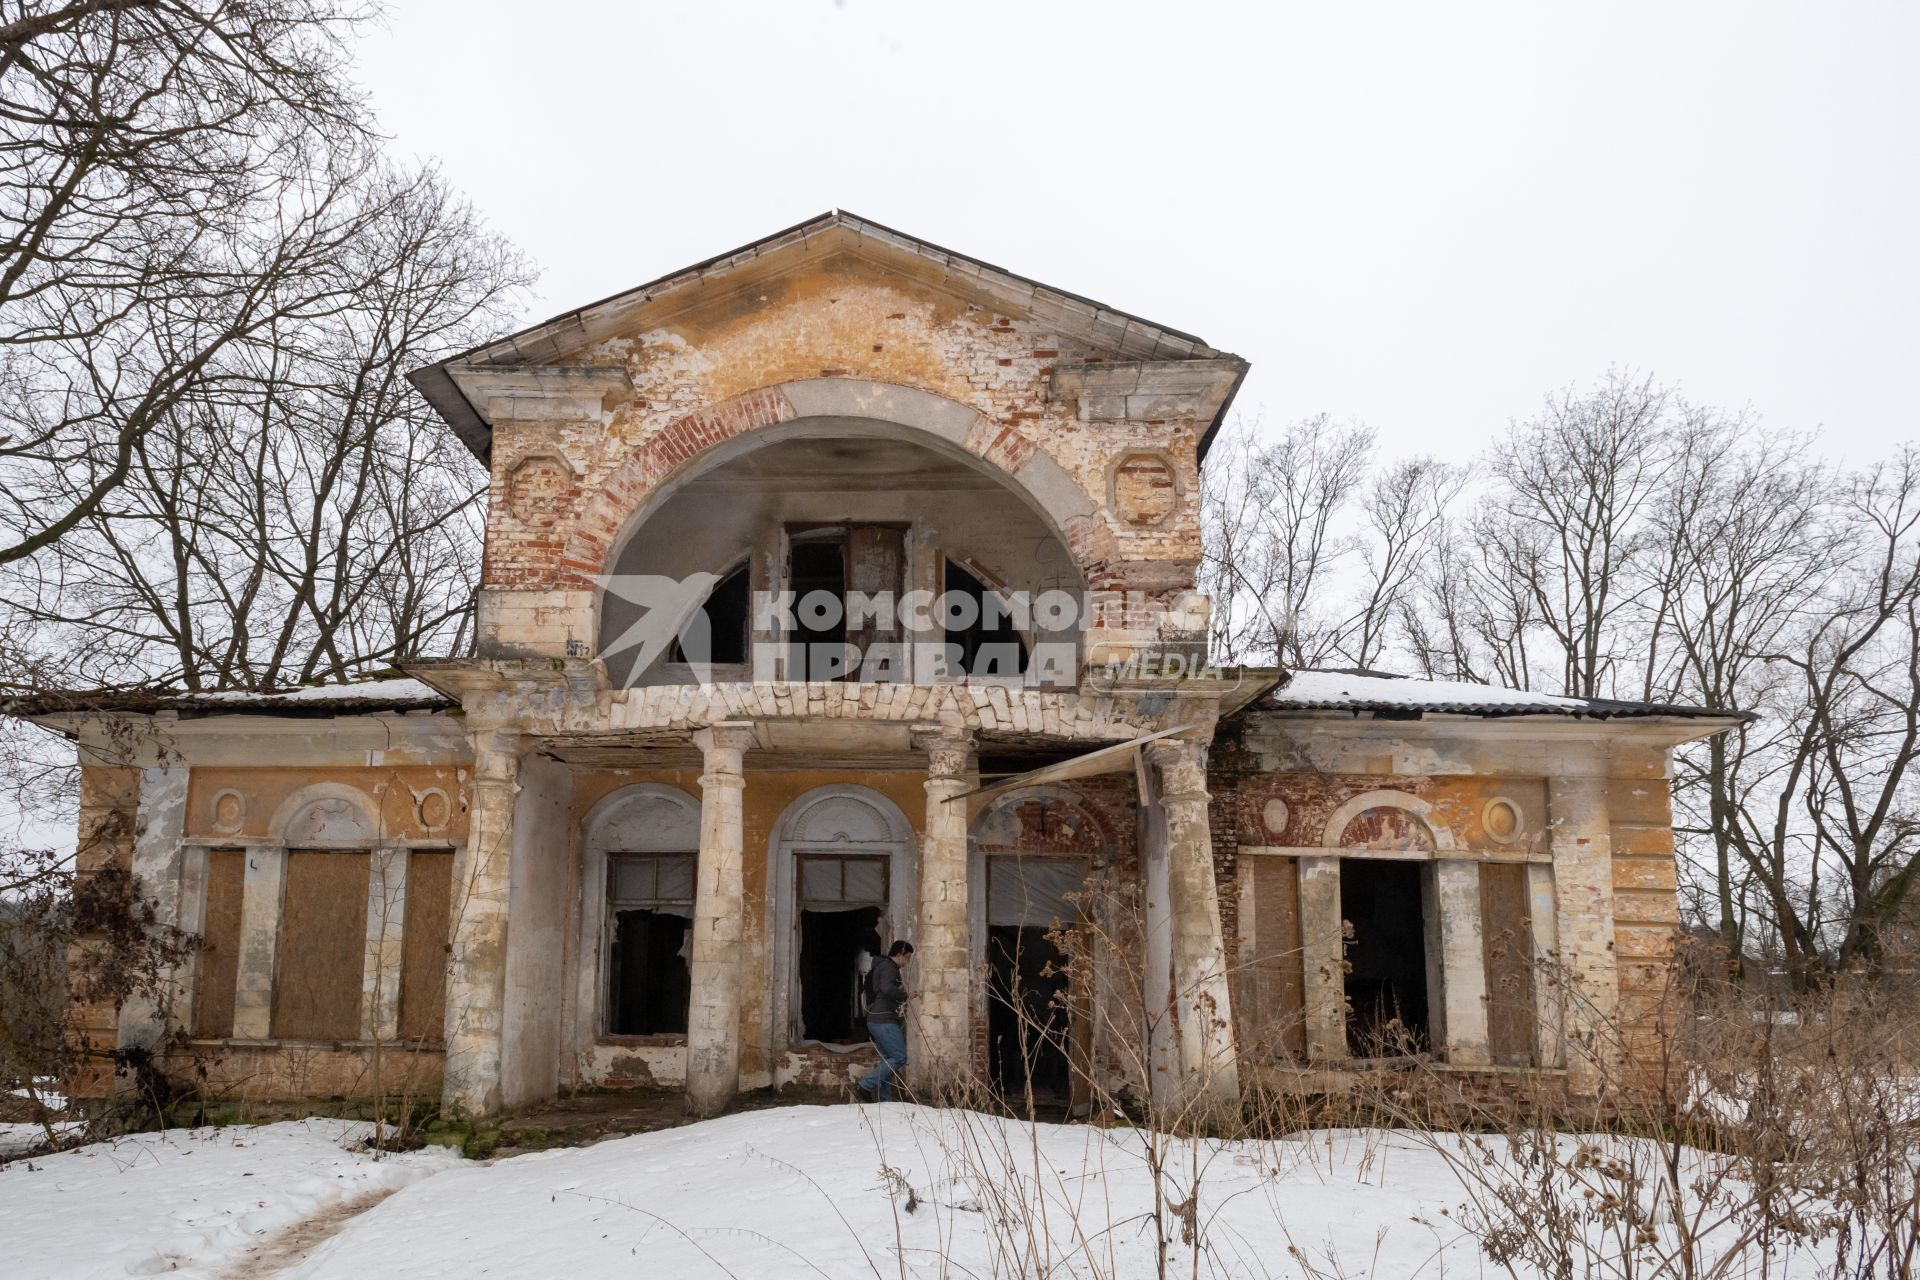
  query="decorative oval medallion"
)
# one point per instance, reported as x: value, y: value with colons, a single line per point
x: 1501, y: 820
x: 229, y: 811
x: 434, y: 808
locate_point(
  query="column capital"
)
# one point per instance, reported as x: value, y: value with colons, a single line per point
x: 950, y: 751
x: 1182, y: 765
x: 728, y: 735
x: 496, y: 754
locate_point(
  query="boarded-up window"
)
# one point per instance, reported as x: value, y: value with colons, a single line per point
x: 1508, y: 941
x: 318, y: 979
x: 1272, y: 985
x: 423, y: 947
x: 219, y: 962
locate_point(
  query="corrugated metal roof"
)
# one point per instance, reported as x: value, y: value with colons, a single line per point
x: 1385, y: 693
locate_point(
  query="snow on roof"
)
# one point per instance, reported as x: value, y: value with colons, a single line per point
x: 393, y: 692
x: 383, y: 689
x: 1379, y: 691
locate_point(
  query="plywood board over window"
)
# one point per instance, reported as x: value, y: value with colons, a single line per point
x: 219, y: 959
x: 1272, y: 996
x: 423, y: 947
x: 317, y: 989
x: 1507, y: 938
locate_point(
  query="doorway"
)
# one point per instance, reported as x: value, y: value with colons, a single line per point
x: 846, y: 582
x: 841, y: 871
x: 1381, y: 899
x: 842, y: 907
x: 1037, y: 1023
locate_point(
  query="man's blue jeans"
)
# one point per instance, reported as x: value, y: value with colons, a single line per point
x: 891, y: 1039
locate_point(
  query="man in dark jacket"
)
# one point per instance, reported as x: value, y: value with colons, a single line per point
x: 886, y: 993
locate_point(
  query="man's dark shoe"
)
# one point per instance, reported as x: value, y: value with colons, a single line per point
x: 863, y: 1094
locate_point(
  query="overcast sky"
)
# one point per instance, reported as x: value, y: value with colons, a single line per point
x: 1421, y: 216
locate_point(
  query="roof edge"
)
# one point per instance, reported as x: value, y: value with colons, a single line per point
x: 436, y: 384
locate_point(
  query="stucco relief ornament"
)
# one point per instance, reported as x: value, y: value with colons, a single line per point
x: 1502, y: 821
x: 229, y: 811
x: 434, y: 808
x: 1274, y: 817
x: 1143, y: 489
x: 947, y: 761
x: 536, y: 486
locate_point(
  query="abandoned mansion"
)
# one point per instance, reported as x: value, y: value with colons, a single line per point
x: 838, y: 590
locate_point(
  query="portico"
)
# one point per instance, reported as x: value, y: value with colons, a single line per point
x: 662, y: 780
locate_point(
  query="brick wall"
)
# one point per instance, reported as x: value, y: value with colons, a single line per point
x: 714, y: 373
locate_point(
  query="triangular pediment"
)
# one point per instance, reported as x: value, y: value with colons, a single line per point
x: 834, y: 242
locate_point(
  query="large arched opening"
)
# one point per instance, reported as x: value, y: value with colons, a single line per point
x: 779, y: 548
x: 842, y: 876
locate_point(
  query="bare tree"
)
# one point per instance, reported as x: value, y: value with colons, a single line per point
x: 1406, y: 506
x: 1749, y: 546
x: 313, y: 521
x: 1273, y: 516
x: 178, y: 183
x: 1568, y: 521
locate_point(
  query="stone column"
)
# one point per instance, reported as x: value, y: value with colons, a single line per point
x: 1463, y: 962
x: 719, y: 927
x: 1588, y: 973
x: 1157, y: 946
x: 477, y: 967
x: 1202, y: 1005
x: 1323, y: 959
x: 260, y: 890
x: 157, y: 852
x: 942, y: 1012
x: 386, y: 912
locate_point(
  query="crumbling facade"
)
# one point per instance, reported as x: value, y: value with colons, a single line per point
x: 695, y: 775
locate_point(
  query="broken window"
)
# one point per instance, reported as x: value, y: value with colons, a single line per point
x: 847, y: 582
x: 318, y: 989
x: 979, y: 628
x: 650, y: 903
x: 727, y: 614
x: 1381, y: 903
x: 843, y: 906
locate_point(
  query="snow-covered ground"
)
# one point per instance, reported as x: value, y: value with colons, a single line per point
x: 803, y: 1191
x: 19, y: 1138
x: 186, y: 1202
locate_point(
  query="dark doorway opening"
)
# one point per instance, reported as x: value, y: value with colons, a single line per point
x: 835, y: 947
x: 1028, y: 1017
x: 651, y: 983
x: 1387, y: 956
x: 819, y: 568
x: 846, y: 582
x: 843, y: 904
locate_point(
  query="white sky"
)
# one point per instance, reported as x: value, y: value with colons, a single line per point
x: 1421, y: 216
